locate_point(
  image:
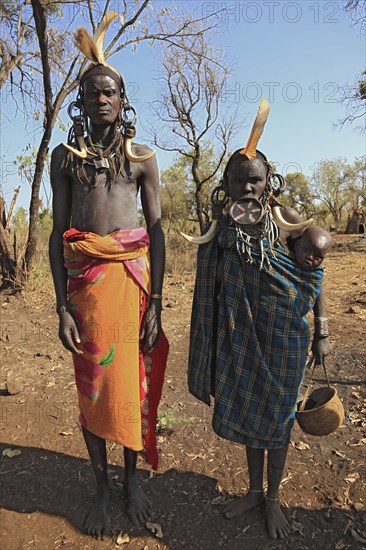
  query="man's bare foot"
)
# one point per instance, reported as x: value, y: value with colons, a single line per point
x: 97, y: 522
x: 138, y: 504
x: 277, y: 524
x: 243, y: 504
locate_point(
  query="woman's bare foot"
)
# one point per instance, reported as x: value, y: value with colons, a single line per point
x: 252, y: 499
x: 277, y: 524
x: 97, y: 522
x: 138, y: 504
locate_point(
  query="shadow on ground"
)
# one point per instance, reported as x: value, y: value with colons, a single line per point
x: 186, y: 504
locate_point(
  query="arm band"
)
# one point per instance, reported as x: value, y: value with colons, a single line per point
x: 321, y: 327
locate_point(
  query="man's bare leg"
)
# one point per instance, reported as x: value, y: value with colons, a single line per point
x: 97, y: 522
x: 278, y: 526
x: 255, y: 496
x: 138, y: 504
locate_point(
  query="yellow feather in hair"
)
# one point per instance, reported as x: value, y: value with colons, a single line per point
x: 93, y: 46
x: 85, y: 43
x: 102, y: 28
x: 250, y: 149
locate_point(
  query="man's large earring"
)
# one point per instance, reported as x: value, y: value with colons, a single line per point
x: 77, y: 130
x: 129, y: 132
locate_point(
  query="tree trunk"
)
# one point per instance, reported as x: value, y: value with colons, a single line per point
x: 35, y: 200
x: 49, y: 121
x: 12, y: 274
x: 7, y: 67
x: 200, y: 214
x: 8, y: 260
x: 198, y: 185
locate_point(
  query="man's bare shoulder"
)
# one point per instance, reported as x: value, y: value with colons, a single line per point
x: 59, y: 154
x: 148, y: 168
x: 140, y: 148
x: 58, y: 163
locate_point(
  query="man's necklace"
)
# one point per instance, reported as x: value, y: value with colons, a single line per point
x: 97, y: 145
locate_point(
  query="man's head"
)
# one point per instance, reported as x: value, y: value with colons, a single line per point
x: 312, y: 247
x: 93, y: 49
x: 102, y: 91
x: 101, y: 99
x: 246, y: 178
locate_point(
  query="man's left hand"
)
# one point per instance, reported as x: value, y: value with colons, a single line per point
x: 151, y: 325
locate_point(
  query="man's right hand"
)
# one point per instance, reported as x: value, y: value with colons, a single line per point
x: 68, y: 332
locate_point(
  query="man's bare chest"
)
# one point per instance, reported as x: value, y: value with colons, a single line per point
x: 104, y: 173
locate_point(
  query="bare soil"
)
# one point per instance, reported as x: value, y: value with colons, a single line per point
x: 47, y: 487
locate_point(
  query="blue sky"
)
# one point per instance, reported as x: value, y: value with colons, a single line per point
x: 296, y: 54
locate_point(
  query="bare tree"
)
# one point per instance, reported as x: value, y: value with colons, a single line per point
x: 356, y: 9
x: 138, y: 26
x: 354, y: 99
x: 21, y: 68
x: 353, y: 96
x: 16, y: 38
x: 192, y: 83
x: 10, y: 267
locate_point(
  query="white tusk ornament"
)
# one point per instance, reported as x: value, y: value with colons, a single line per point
x: 82, y: 153
x: 133, y: 158
x: 286, y: 226
x: 203, y: 239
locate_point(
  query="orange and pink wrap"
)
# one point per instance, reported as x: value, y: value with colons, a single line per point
x: 119, y: 386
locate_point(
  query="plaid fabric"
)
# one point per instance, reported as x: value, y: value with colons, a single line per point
x: 255, y: 363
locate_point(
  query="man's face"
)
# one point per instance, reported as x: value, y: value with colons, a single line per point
x: 246, y: 178
x: 101, y: 99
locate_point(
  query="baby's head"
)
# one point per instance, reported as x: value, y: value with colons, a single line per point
x: 312, y: 247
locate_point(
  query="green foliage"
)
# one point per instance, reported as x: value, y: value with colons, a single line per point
x: 357, y: 186
x: 335, y: 184
x: 178, y: 189
x: 44, y: 82
x: 45, y: 221
x: 20, y: 224
x: 297, y: 193
x: 167, y: 421
x: 180, y: 254
x: 362, y: 86
x: 44, y: 227
x: 354, y: 98
x: 26, y: 163
x: 175, y: 196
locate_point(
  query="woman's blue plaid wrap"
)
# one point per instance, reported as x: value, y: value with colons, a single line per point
x: 255, y: 368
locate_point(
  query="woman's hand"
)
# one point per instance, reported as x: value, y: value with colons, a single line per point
x: 320, y: 348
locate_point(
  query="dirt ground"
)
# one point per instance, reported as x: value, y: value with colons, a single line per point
x: 47, y: 487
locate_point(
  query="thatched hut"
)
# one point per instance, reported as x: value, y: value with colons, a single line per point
x: 357, y: 222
